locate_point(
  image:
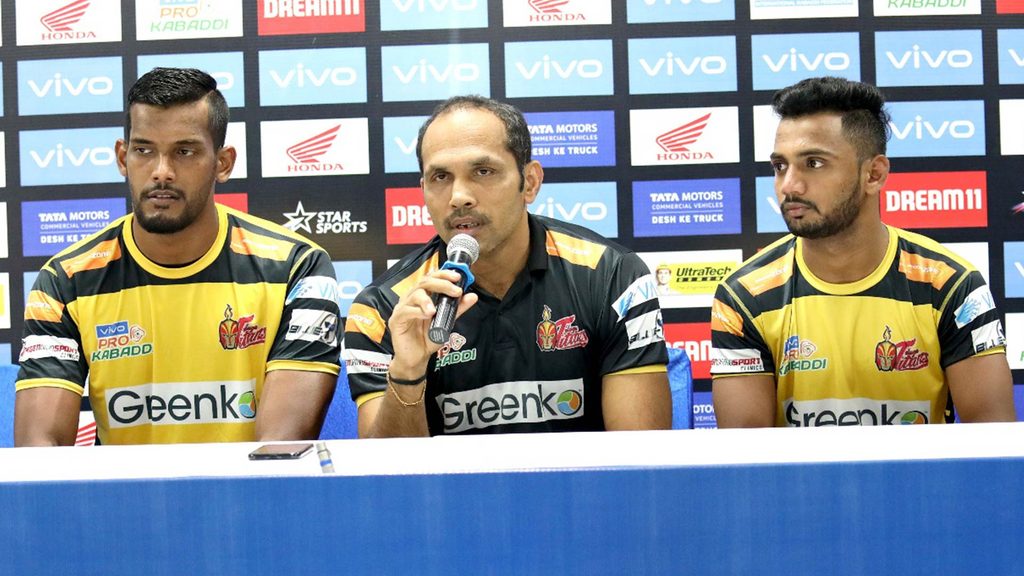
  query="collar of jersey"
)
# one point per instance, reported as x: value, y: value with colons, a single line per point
x: 184, y: 271
x: 853, y: 287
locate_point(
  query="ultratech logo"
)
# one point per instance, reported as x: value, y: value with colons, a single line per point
x: 854, y: 412
x: 797, y: 357
x: 119, y: 340
x: 240, y: 334
x: 701, y: 274
x: 560, y: 334
x: 512, y: 403
x: 182, y: 403
x: 327, y: 222
x: 452, y: 352
x: 276, y: 17
x: 935, y: 200
x: 898, y: 356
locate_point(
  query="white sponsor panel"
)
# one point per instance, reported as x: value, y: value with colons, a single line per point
x: 176, y: 403
x: 524, y: 402
x: 67, y: 21
x: 363, y: 362
x: 684, y: 136
x: 313, y: 326
x: 3, y: 161
x: 694, y: 274
x: 804, y: 9
x: 4, y: 240
x: 643, y: 289
x: 766, y: 122
x: 39, y: 347
x: 320, y: 147
x: 1011, y: 118
x: 977, y: 303
x: 318, y: 287
x: 236, y: 137
x: 926, y: 7
x: 162, y: 20
x: 645, y: 329
x: 1015, y: 340
x: 736, y: 361
x: 519, y: 13
x: 974, y: 252
x: 855, y: 412
x: 988, y: 336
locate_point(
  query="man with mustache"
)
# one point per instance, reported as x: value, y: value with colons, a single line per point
x: 192, y: 322
x: 848, y: 321
x: 561, y: 330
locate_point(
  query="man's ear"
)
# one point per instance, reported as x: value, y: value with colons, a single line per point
x: 120, y: 152
x: 533, y: 177
x: 877, y: 173
x: 226, y: 157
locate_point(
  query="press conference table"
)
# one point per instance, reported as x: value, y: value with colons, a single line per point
x: 887, y: 500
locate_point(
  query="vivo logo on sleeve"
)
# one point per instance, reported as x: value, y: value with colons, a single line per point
x: 69, y: 86
x: 779, y: 60
x: 938, y: 128
x: 679, y: 65
x: 564, y: 68
x: 321, y: 76
x: 928, y: 58
x: 434, y: 72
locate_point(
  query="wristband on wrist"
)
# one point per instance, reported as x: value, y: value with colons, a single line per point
x: 391, y: 388
x: 405, y: 382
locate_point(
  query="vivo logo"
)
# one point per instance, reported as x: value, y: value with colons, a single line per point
x: 671, y: 63
x: 549, y: 69
x: 795, y: 61
x: 425, y: 73
x: 1017, y: 58
x: 300, y: 76
x: 406, y: 148
x: 917, y: 59
x: 920, y: 129
x: 60, y: 157
x: 435, y: 5
x: 58, y: 85
x: 225, y: 80
x: 591, y: 211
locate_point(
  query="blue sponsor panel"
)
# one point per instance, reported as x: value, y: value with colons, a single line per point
x: 589, y: 204
x: 1011, y: 56
x: 1013, y: 269
x: 400, y: 134
x: 320, y: 76
x: 47, y: 227
x: 352, y: 277
x: 78, y: 156
x: 5, y: 354
x: 1018, y: 401
x: 680, y: 65
x: 69, y: 86
x: 432, y: 14
x: 703, y: 411
x: 686, y: 207
x: 946, y: 128
x: 227, y: 69
x: 928, y: 58
x: 769, y: 217
x: 656, y: 11
x: 29, y: 280
x: 779, y: 60
x: 567, y: 139
x: 434, y: 72
x: 561, y: 68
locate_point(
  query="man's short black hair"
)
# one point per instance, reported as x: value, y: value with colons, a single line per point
x: 861, y: 106
x: 167, y: 87
x: 517, y: 134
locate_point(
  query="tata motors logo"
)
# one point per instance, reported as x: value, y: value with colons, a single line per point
x: 564, y: 139
x: 684, y: 136
x: 315, y: 147
x: 77, y: 21
x: 79, y: 156
x: 47, y: 227
x: 681, y: 65
x: 780, y: 60
x: 323, y: 221
x: 408, y: 221
x: 658, y: 11
x: 686, y: 207
x: 175, y: 19
x: 952, y: 58
x: 400, y: 136
x: 432, y: 14
x: 225, y: 67
x: 69, y: 86
x: 590, y: 204
x: 434, y: 72
x: 937, y: 129
x: 322, y: 76
x: 519, y: 13
x: 935, y: 200
x: 276, y: 17
x: 566, y: 68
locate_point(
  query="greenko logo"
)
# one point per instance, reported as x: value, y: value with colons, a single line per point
x: 182, y: 403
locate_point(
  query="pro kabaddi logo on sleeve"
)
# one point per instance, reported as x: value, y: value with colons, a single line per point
x: 118, y: 340
x: 560, y: 334
x: 241, y: 333
x: 898, y: 356
x: 452, y: 352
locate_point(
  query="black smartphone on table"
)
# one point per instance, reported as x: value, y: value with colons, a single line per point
x: 281, y: 451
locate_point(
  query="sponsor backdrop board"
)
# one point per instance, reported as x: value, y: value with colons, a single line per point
x: 649, y: 116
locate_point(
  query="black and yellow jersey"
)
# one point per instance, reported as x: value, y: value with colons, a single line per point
x: 868, y: 352
x: 582, y: 308
x: 179, y: 354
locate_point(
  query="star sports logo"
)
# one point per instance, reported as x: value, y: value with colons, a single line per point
x: 299, y: 220
x: 61, y: 19
x: 548, y: 6
x: 310, y: 150
x: 679, y: 139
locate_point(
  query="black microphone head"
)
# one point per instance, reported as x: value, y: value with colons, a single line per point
x: 465, y: 244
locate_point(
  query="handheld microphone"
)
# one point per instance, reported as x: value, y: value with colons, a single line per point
x: 463, y: 250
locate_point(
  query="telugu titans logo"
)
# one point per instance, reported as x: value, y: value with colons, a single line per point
x: 560, y: 334
x: 898, y: 356
x: 242, y: 333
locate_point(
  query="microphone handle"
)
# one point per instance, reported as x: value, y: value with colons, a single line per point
x: 444, y: 320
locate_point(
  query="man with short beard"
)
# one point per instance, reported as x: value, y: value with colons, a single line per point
x: 192, y: 322
x: 848, y: 321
